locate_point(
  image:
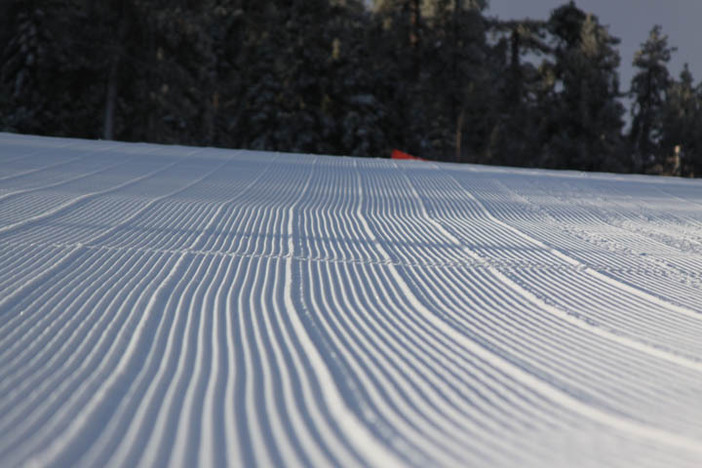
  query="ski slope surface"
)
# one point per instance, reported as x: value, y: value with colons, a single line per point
x: 173, y: 306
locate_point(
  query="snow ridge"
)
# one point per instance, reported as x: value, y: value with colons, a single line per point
x: 202, y: 307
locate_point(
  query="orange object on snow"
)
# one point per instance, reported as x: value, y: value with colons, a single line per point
x: 397, y: 154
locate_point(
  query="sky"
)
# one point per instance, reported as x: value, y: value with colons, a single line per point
x: 630, y: 21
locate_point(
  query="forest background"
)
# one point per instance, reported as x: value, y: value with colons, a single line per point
x: 436, y: 78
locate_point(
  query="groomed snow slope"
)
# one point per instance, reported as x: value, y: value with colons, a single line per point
x: 179, y: 306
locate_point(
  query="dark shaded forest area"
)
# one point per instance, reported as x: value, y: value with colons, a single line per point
x: 436, y: 78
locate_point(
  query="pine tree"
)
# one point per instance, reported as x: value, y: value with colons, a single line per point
x: 587, y: 113
x: 648, y: 88
x: 681, y: 126
x: 433, y: 58
x: 48, y: 73
x: 520, y: 86
x: 352, y: 100
x: 115, y: 26
x: 459, y: 98
x: 180, y: 81
x: 397, y: 33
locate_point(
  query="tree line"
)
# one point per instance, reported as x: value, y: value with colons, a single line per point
x: 436, y: 78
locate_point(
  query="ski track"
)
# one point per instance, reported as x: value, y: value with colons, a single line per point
x: 203, y: 307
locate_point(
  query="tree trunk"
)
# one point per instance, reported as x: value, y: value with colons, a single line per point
x: 209, y: 76
x: 515, y: 69
x: 111, y: 100
x: 113, y: 77
x: 211, y: 109
x: 415, y: 13
x: 457, y: 84
x: 414, y: 36
x: 459, y: 134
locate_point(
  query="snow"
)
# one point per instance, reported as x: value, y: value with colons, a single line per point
x: 163, y: 305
